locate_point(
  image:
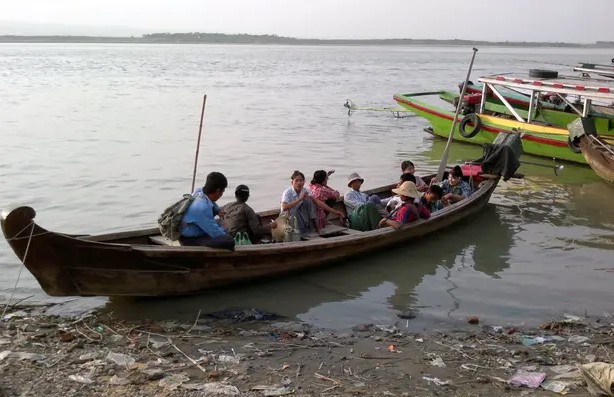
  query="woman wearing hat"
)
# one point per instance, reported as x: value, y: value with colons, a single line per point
x: 238, y: 217
x: 362, y: 210
x: 408, y: 211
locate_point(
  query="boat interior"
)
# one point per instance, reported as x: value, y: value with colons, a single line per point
x: 334, y: 228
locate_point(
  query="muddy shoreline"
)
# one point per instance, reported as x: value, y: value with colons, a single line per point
x: 250, y: 353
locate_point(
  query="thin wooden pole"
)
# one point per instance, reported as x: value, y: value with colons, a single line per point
x: 200, y: 130
x: 444, y: 156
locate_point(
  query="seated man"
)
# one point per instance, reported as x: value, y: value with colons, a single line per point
x: 431, y: 199
x: 454, y: 188
x: 407, y: 167
x: 408, y: 211
x: 238, y: 217
x: 198, y: 225
x: 362, y: 210
x: 394, y: 202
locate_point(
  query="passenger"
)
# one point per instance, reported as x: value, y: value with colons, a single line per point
x: 320, y: 190
x: 363, y: 210
x: 408, y: 211
x: 407, y: 167
x: 298, y: 202
x: 198, y: 225
x: 393, y: 202
x: 431, y: 199
x: 454, y: 188
x: 238, y: 217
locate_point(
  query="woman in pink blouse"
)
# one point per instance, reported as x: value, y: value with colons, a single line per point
x: 320, y: 190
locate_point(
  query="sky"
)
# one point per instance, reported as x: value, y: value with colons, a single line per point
x: 490, y: 20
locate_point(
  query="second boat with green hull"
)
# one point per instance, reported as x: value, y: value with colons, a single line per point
x: 543, y: 141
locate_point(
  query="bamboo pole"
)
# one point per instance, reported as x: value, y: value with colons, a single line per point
x: 444, y: 156
x: 200, y: 130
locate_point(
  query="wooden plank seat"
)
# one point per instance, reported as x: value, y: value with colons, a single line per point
x: 329, y: 231
x: 161, y: 240
x: 351, y: 231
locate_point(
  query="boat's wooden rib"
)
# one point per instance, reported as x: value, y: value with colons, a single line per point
x: 599, y: 155
x: 127, y: 263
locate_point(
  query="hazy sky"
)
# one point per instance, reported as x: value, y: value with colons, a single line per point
x: 532, y: 20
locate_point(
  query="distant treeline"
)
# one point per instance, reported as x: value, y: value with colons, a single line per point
x: 212, y: 38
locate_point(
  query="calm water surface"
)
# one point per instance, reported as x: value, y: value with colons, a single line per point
x: 101, y: 137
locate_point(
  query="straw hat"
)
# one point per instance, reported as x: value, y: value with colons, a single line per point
x: 407, y: 189
x: 353, y: 177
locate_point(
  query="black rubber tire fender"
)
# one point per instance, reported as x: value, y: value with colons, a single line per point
x: 473, y: 119
x: 544, y: 74
x: 572, y: 145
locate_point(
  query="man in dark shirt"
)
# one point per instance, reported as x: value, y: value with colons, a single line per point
x: 238, y: 217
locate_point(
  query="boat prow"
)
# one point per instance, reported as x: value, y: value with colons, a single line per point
x: 599, y: 154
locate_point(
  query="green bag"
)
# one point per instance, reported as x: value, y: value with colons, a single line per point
x: 242, y: 239
x: 246, y: 240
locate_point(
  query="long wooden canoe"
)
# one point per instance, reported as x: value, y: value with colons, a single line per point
x: 136, y: 263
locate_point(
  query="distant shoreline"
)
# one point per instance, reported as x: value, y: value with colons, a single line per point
x: 218, y: 38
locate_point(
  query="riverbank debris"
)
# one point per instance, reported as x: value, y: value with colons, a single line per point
x: 110, y: 356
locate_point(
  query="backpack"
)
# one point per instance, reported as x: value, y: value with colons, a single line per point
x: 170, y: 220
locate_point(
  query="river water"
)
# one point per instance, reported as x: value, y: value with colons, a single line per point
x: 101, y: 137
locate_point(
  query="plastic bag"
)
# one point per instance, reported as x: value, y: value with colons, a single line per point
x: 245, y: 240
x: 242, y: 239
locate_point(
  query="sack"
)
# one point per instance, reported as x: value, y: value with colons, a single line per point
x: 170, y: 220
x: 279, y: 234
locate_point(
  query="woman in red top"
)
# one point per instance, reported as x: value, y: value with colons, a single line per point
x: 408, y: 211
x: 319, y: 189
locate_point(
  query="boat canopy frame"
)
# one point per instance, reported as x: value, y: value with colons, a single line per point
x: 560, y: 86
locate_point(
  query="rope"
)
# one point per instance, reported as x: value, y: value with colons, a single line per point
x: 21, y: 231
x: 21, y: 267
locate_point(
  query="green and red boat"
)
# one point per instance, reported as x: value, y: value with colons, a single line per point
x: 540, y: 137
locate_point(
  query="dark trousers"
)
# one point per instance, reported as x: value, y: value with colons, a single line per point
x: 223, y: 242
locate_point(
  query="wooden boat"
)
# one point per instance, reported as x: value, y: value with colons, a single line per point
x: 543, y: 141
x: 142, y: 263
x: 598, y: 153
x: 538, y: 138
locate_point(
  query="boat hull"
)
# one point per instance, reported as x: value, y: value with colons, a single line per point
x: 537, y: 140
x: 127, y: 264
x: 599, y: 155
